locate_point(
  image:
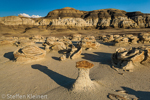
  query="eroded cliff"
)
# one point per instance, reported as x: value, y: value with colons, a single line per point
x: 70, y: 18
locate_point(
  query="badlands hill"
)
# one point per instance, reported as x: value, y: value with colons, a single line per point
x: 72, y: 19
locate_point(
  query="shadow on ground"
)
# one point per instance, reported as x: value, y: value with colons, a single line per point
x: 142, y: 95
x: 56, y: 58
x: 101, y: 57
x: 9, y: 55
x: 39, y: 42
x: 58, y: 78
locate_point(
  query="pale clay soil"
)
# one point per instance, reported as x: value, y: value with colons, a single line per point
x: 52, y: 77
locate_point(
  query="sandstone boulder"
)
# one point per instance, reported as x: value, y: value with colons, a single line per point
x: 89, y: 42
x: 29, y: 53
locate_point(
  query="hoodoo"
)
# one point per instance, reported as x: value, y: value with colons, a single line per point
x: 83, y: 81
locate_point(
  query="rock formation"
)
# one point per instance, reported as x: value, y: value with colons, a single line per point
x: 83, y: 81
x: 29, y: 53
x: 128, y: 59
x: 70, y: 18
x: 126, y: 39
x: 89, y: 42
x: 53, y: 43
x: 71, y: 54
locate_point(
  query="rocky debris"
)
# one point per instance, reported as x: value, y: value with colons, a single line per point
x: 29, y: 53
x: 128, y: 59
x: 23, y: 43
x: 89, y: 42
x: 83, y: 81
x: 76, y: 37
x: 56, y: 44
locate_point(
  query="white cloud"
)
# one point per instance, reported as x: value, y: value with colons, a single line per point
x: 26, y: 15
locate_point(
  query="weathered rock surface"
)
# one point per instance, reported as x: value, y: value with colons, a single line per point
x: 72, y: 54
x: 128, y: 59
x: 89, y: 42
x: 76, y: 54
x: 29, y: 53
x: 57, y: 44
x: 127, y: 39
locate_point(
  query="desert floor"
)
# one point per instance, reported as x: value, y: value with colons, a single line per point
x: 52, y: 77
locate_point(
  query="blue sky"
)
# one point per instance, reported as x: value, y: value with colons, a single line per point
x: 42, y: 7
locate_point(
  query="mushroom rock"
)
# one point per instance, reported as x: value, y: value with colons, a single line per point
x: 29, y: 53
x: 83, y: 81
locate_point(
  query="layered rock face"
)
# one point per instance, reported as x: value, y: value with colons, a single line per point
x: 72, y: 18
x: 15, y: 20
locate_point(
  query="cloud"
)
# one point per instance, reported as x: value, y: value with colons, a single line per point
x: 26, y: 15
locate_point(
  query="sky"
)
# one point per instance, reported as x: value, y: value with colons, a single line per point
x: 42, y: 7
